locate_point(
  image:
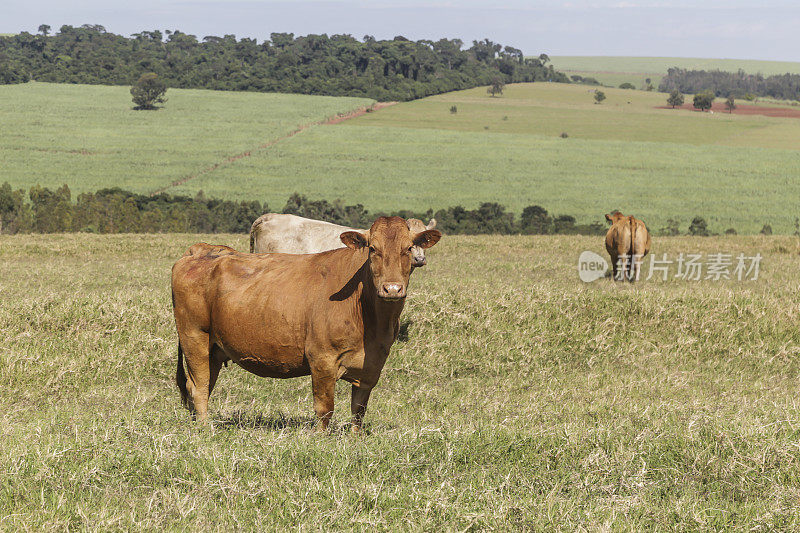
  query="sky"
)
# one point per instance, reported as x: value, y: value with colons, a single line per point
x: 673, y: 28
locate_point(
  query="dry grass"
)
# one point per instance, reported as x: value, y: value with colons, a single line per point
x: 520, y: 399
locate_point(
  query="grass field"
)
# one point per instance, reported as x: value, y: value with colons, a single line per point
x: 657, y: 163
x: 90, y: 137
x: 736, y: 171
x: 614, y: 70
x: 522, y: 399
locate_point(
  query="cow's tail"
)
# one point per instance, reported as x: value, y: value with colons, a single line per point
x: 180, y: 379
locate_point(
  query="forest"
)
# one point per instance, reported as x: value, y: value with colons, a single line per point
x: 43, y: 210
x: 739, y: 84
x: 336, y: 65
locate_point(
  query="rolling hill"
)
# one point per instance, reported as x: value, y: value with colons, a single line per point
x: 614, y: 70
x: 737, y: 171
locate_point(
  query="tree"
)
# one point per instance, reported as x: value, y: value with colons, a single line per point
x: 671, y: 229
x: 148, y: 91
x: 698, y: 227
x: 599, y: 96
x: 627, y: 85
x: 730, y: 104
x: 496, y: 87
x: 535, y: 220
x: 44, y: 29
x: 703, y: 100
x: 675, y: 99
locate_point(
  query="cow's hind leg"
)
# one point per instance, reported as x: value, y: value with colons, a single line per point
x: 636, y: 266
x: 200, y: 369
x: 614, y: 267
x: 358, y: 406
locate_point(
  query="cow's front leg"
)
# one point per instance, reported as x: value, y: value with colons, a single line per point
x: 358, y: 406
x: 323, y: 386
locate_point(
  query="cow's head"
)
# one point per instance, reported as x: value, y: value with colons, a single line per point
x: 615, y: 216
x: 390, y: 246
x: 415, y: 225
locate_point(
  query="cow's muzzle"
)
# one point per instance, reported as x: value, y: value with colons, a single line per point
x: 392, y: 291
x: 418, y: 261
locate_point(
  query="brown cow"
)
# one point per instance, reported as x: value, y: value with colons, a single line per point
x: 333, y: 315
x: 291, y: 234
x: 627, y: 242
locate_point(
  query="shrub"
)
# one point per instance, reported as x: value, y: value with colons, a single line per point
x: 453, y: 110
x: 627, y: 85
x: 698, y: 227
x: 766, y: 229
x: 671, y: 229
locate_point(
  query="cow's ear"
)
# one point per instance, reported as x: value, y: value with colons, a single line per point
x: 431, y: 224
x: 608, y: 217
x: 354, y: 239
x: 427, y: 238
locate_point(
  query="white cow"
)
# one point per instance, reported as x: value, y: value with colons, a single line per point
x: 291, y: 234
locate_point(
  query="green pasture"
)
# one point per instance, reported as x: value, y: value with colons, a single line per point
x: 518, y: 398
x: 738, y: 172
x: 550, y: 109
x: 89, y: 137
x: 659, y: 164
x: 614, y: 70
x: 615, y: 79
x: 659, y: 65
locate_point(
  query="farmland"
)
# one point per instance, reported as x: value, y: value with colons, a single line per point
x: 89, y: 137
x: 614, y: 70
x: 737, y: 171
x: 520, y: 399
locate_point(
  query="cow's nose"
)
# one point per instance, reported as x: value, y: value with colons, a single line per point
x: 393, y: 290
x: 419, y: 261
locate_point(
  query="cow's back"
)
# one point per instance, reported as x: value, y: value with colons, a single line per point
x: 291, y: 234
x: 618, y: 238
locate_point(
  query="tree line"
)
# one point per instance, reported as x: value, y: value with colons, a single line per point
x: 337, y: 65
x: 738, y: 84
x: 44, y: 210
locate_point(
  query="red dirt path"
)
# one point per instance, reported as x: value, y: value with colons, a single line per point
x: 228, y: 160
x: 744, y: 109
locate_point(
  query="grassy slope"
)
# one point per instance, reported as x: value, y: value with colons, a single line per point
x: 659, y: 65
x: 737, y: 171
x: 656, y: 163
x: 614, y: 70
x: 522, y: 399
x: 90, y: 138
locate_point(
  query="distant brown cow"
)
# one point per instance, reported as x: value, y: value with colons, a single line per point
x: 291, y: 234
x: 333, y: 315
x: 627, y: 242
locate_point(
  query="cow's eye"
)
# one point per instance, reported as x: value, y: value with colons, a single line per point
x: 409, y: 249
x: 372, y: 249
